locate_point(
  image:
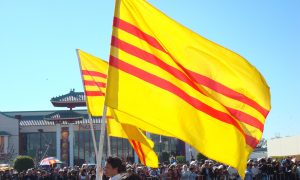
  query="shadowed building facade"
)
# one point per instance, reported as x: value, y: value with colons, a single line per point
x: 66, y: 134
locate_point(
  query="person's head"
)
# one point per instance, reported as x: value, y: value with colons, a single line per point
x: 255, y: 165
x: 129, y: 170
x: 192, y: 168
x: 61, y: 172
x: 206, y: 163
x: 29, y: 172
x: 184, y: 167
x: 83, y: 172
x: 114, y: 166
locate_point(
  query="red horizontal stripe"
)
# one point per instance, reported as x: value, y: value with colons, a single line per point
x: 168, y: 86
x: 94, y: 93
x: 94, y: 83
x: 150, y: 58
x: 131, y: 29
x: 251, y: 141
x: 226, y: 91
x: 94, y: 73
x: 205, y: 81
x: 246, y: 118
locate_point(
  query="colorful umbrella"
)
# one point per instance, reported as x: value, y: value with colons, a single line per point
x: 50, y: 161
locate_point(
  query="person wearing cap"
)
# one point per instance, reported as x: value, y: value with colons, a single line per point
x: 206, y: 170
x: 60, y: 174
x: 115, y: 168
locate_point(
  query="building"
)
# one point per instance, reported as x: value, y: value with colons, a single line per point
x: 9, y: 137
x: 65, y: 134
x: 284, y: 146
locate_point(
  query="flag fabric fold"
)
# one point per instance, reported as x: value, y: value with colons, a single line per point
x: 166, y: 79
x: 94, y: 76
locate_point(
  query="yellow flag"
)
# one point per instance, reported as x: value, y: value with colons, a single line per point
x: 94, y: 76
x: 142, y: 145
x: 166, y: 79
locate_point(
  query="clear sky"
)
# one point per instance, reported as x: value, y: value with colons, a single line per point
x: 38, y: 41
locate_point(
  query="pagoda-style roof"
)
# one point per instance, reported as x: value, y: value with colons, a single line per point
x: 64, y: 116
x: 71, y: 100
x: 43, y: 122
x: 37, y: 118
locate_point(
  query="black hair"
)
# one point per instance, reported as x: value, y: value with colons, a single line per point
x: 116, y: 162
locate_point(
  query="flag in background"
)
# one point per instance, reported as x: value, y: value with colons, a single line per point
x: 168, y: 80
x: 94, y: 76
x: 142, y: 145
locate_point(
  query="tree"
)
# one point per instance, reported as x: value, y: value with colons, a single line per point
x: 201, y: 157
x: 180, y: 159
x: 165, y: 156
x: 23, y: 163
x: 9, y: 155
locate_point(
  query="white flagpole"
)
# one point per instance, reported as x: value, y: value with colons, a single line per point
x: 108, y: 143
x: 100, y: 153
x: 90, y: 118
x: 93, y: 135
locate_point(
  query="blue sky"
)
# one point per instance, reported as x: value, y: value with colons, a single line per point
x: 38, y: 41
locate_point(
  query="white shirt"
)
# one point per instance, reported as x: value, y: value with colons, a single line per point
x: 118, y: 176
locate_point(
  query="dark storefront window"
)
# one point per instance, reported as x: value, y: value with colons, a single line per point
x: 39, y: 144
x: 84, y: 149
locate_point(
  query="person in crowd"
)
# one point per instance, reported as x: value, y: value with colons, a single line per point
x: 6, y: 175
x: 60, y: 175
x: 232, y: 173
x: 29, y: 175
x: 92, y: 174
x: 83, y: 175
x: 185, y: 173
x: 115, y: 168
x: 154, y: 174
x: 255, y: 170
x: 248, y: 172
x: 298, y: 170
x: 206, y: 170
x: 263, y: 168
x: 188, y: 173
x: 130, y: 175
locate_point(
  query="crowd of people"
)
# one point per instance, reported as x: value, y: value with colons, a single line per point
x: 115, y: 169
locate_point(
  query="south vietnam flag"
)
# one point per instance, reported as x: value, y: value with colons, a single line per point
x: 94, y: 76
x: 166, y: 79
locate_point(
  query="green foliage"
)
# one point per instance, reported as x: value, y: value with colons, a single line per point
x: 165, y: 156
x: 201, y: 157
x: 23, y: 163
x: 180, y: 159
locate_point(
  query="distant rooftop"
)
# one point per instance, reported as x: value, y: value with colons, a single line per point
x: 43, y: 118
x: 49, y: 118
x: 71, y: 100
x: 61, y: 116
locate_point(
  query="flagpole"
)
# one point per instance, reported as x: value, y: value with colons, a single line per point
x: 90, y: 118
x: 93, y: 135
x: 108, y: 143
x: 100, y: 153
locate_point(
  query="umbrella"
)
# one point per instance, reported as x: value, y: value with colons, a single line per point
x: 50, y: 161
